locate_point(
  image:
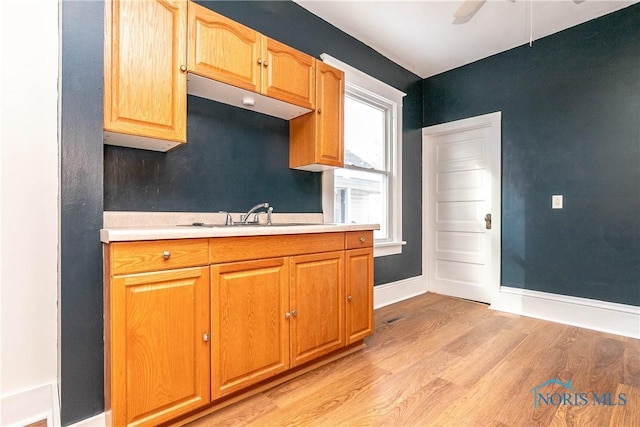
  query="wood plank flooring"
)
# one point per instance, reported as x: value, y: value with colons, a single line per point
x: 441, y: 361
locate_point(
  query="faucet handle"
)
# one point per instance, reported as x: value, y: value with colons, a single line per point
x: 229, y: 220
x: 269, y: 212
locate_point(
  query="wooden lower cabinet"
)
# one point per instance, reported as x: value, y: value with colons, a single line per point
x: 359, y: 290
x: 157, y: 352
x: 250, y: 334
x: 192, y: 323
x: 317, y: 308
x: 272, y: 315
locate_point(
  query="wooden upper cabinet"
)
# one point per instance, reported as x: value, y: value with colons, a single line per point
x: 317, y: 139
x: 288, y: 74
x: 145, y: 81
x: 223, y: 50
x: 226, y: 51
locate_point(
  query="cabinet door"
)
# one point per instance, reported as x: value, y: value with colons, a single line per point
x: 250, y: 332
x: 330, y: 112
x: 317, y: 305
x: 159, y: 352
x: 224, y: 50
x: 145, y: 81
x: 317, y: 139
x: 288, y: 74
x: 359, y: 290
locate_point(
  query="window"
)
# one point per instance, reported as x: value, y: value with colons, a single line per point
x: 368, y: 188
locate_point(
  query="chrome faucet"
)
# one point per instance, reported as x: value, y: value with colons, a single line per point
x: 244, y: 218
x: 229, y: 220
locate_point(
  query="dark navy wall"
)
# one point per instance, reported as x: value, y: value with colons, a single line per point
x: 570, y: 125
x: 233, y: 159
x: 81, y: 157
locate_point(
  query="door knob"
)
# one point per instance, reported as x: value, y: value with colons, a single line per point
x: 487, y: 221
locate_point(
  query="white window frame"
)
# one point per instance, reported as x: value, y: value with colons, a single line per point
x: 361, y: 83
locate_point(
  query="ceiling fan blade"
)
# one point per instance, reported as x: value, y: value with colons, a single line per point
x: 467, y: 10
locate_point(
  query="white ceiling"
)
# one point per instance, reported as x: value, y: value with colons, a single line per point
x: 419, y: 34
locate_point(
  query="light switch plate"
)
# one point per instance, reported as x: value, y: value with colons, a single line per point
x: 556, y: 201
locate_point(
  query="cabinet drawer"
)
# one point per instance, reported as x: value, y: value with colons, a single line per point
x: 137, y: 257
x: 358, y: 239
x: 226, y: 249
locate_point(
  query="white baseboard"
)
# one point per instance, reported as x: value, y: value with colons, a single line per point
x: 95, y: 421
x: 390, y: 293
x: 30, y: 406
x: 619, y: 319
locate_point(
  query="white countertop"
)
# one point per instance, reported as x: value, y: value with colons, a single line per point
x: 162, y: 226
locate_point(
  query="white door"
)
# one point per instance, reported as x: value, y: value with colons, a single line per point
x: 461, y: 207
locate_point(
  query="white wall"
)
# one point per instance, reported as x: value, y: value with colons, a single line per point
x: 29, y: 210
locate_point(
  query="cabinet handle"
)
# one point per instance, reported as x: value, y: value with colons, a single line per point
x: 295, y: 313
x: 287, y: 315
x: 166, y: 254
x: 183, y: 68
x: 205, y: 338
x: 362, y: 240
x: 349, y: 298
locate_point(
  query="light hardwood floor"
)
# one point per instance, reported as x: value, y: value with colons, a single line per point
x: 441, y: 361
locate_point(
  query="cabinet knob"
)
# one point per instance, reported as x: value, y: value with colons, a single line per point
x: 205, y: 338
x: 166, y: 254
x: 183, y: 68
x: 319, y: 110
x: 287, y: 315
x: 265, y: 63
x: 259, y: 61
x: 349, y: 298
x: 362, y: 240
x: 294, y: 313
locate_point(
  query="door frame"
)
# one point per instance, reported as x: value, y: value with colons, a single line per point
x: 493, y: 122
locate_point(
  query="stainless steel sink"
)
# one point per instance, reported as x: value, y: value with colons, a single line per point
x: 248, y: 224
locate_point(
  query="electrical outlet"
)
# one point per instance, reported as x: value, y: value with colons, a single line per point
x: 556, y: 201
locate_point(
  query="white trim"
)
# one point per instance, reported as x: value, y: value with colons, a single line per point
x: 401, y: 290
x: 492, y: 121
x: 361, y: 82
x: 619, y: 319
x: 365, y: 81
x: 30, y: 406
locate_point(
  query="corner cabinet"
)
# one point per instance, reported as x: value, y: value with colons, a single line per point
x: 156, y: 330
x: 316, y: 140
x: 192, y: 323
x: 145, y: 79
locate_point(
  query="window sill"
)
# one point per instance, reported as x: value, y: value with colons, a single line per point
x: 388, y: 248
